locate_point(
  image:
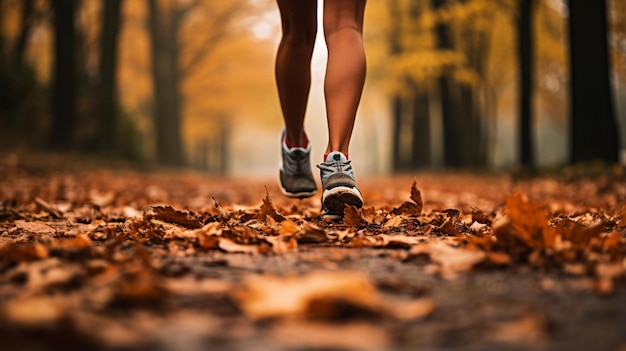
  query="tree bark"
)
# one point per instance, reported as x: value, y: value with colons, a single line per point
x: 26, y: 26
x: 449, y: 105
x: 526, y: 68
x: 166, y: 106
x: 396, y: 100
x: 106, y: 92
x: 593, y: 129
x: 64, y: 72
x: 420, y: 152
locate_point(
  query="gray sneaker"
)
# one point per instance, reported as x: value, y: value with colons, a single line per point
x: 339, y: 187
x: 296, y: 179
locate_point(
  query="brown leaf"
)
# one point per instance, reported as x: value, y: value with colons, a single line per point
x: 23, y: 252
x: 35, y: 227
x: 224, y: 215
x: 169, y: 215
x: 394, y: 221
x: 481, y: 217
x: 352, y: 217
x: 232, y: 247
x: 79, y: 242
x: 35, y: 311
x: 288, y: 227
x: 416, y: 196
x: 271, y: 296
x: 528, y: 329
x: 449, y: 227
x: 578, y: 234
x: 282, y: 244
x: 528, y: 225
x: 312, y: 234
x: 452, y: 260
x: 411, y: 310
x: 411, y: 208
x: 54, y: 212
x: 269, y: 209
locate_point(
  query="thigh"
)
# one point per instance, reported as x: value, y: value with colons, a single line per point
x: 298, y: 15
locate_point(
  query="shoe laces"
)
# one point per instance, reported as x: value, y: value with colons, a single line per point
x: 296, y: 162
x: 335, y: 166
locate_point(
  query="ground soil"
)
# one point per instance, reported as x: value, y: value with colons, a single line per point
x: 88, y: 262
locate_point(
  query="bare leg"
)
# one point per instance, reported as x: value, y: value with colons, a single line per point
x: 293, y: 63
x: 345, y: 72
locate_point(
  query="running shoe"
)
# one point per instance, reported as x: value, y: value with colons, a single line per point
x: 339, y: 187
x: 296, y: 178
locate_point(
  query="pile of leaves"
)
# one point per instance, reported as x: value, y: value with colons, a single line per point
x: 73, y: 254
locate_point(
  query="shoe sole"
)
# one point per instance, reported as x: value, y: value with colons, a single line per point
x: 335, y: 200
x: 300, y: 195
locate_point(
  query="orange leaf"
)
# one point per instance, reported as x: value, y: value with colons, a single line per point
x: 352, y: 217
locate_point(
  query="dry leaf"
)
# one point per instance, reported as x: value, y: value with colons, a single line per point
x: 224, y: 215
x: 312, y: 234
x: 231, y: 246
x: 452, y: 260
x: 288, y: 227
x: 411, y: 208
x: 54, y: 212
x: 268, y: 209
x: 169, y: 215
x: 35, y: 227
x: 271, y: 296
x: 411, y: 310
x: 352, y: 217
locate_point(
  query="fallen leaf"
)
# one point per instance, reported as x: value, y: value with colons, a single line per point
x: 169, y: 215
x: 411, y: 208
x: 288, y: 227
x: 224, y: 215
x: 411, y: 310
x: 231, y: 246
x: 272, y: 296
x: 529, y: 329
x: 311, y: 234
x: 452, y: 260
x: 35, y: 227
x: 268, y: 209
x: 352, y: 217
x: 46, y: 206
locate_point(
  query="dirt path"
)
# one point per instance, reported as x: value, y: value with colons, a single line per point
x: 100, y: 259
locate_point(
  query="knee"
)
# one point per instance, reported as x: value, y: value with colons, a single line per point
x: 332, y: 27
x: 300, y: 35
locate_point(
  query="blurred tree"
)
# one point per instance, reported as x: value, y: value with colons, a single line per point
x: 164, y: 23
x: 106, y: 100
x: 594, y: 134
x: 526, y: 69
x: 64, y: 87
x: 27, y: 23
x: 182, y: 46
x: 411, y: 115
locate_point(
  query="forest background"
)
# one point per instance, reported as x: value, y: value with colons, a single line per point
x: 481, y: 84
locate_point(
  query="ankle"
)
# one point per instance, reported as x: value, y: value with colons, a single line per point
x: 329, y: 152
x: 302, y: 141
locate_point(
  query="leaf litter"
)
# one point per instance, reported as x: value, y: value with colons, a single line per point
x: 105, y: 252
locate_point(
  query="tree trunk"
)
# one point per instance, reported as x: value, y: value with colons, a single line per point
x: 421, y: 130
x: 449, y: 105
x: 26, y: 26
x: 525, y: 52
x: 106, y: 92
x: 396, y: 99
x: 593, y: 129
x: 64, y: 73
x: 166, y: 106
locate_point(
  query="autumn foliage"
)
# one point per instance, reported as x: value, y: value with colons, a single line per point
x: 85, y: 247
